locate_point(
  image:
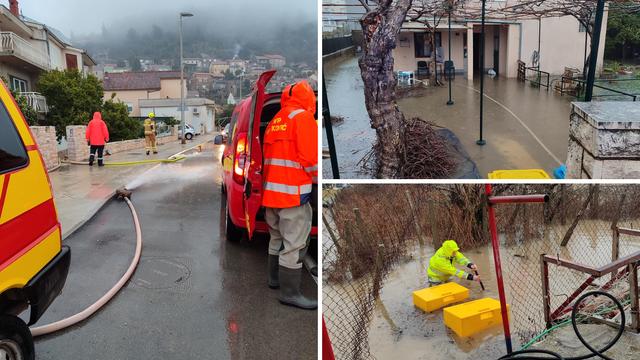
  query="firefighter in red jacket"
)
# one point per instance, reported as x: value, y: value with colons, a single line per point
x: 290, y: 182
x: 97, y: 134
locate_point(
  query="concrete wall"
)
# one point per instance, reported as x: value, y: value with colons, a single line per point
x: 45, y: 137
x: 132, y: 97
x: 79, y: 150
x: 171, y: 88
x: 331, y: 60
x: 561, y: 44
x: 604, y: 141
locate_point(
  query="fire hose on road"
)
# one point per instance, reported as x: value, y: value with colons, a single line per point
x: 46, y: 329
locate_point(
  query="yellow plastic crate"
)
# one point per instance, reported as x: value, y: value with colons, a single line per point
x: 469, y: 318
x: 519, y: 174
x: 438, y: 296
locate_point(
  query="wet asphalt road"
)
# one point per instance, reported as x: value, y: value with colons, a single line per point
x: 193, y: 296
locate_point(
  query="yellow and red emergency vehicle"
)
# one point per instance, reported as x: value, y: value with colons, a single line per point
x: 33, y: 263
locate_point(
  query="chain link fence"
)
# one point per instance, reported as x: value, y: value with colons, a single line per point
x: 369, y: 227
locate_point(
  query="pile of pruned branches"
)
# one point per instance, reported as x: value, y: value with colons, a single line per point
x: 429, y: 154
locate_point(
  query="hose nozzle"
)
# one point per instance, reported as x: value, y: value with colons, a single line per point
x: 124, y: 193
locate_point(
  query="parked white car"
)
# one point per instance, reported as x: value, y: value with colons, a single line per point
x: 189, y: 133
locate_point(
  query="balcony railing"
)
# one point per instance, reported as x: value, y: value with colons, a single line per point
x: 10, y: 42
x: 37, y: 101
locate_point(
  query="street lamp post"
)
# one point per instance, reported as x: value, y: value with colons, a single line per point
x: 448, y: 4
x: 481, y: 141
x: 184, y: 130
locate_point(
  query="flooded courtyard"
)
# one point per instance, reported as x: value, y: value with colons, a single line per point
x: 524, y: 127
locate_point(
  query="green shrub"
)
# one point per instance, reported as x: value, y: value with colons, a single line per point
x: 120, y: 125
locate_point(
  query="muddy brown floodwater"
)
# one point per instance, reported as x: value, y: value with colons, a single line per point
x: 524, y: 127
x: 400, y: 330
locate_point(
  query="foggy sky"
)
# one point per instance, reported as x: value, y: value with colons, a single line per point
x: 86, y: 17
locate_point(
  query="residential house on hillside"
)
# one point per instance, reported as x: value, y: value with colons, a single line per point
x: 206, y: 61
x: 132, y: 86
x: 259, y: 61
x: 237, y: 64
x: 192, y: 63
x: 561, y: 41
x: 159, y: 67
x: 218, y: 66
x: 202, y: 81
x: 276, y: 61
x: 29, y: 47
x: 253, y: 75
x: 268, y: 61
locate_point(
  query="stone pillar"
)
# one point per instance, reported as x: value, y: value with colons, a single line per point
x: 604, y: 140
x: 45, y: 137
x: 76, y: 143
x: 470, y: 55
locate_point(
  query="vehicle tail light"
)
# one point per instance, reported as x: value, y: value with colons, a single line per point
x: 240, y: 157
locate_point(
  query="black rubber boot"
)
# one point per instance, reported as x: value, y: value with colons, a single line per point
x: 91, y: 160
x: 155, y: 152
x: 147, y: 153
x: 100, y: 163
x: 274, y: 269
x: 290, y: 290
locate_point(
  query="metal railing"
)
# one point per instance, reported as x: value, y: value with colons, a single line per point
x: 583, y: 82
x: 37, y: 101
x: 329, y: 46
x: 535, y: 70
x: 629, y: 265
x: 10, y: 42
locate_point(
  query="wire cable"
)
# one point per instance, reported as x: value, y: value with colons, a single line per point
x: 594, y: 352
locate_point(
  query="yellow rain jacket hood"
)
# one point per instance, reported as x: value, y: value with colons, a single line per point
x: 441, y: 264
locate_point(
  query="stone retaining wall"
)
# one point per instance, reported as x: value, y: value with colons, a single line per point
x: 604, y: 140
x: 45, y: 137
x: 333, y: 59
x: 79, y: 150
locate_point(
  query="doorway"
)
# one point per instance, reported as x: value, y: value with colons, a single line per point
x: 476, y: 51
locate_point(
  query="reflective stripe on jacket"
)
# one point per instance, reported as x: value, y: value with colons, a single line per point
x: 441, y: 264
x: 149, y: 127
x: 97, y: 131
x: 290, y: 152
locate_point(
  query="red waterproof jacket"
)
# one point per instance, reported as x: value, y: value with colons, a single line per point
x: 290, y: 150
x: 97, y: 131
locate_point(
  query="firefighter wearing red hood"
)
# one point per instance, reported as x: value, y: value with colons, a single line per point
x: 290, y: 182
x: 97, y: 134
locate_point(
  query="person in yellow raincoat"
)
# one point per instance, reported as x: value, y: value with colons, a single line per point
x: 150, y: 134
x: 441, y: 266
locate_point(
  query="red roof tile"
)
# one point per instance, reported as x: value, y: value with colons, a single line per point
x: 137, y: 80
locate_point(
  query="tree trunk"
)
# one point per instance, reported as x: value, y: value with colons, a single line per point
x: 380, y: 30
x: 567, y: 236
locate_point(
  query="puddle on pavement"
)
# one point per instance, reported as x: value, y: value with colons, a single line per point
x: 510, y: 145
x: 401, y: 330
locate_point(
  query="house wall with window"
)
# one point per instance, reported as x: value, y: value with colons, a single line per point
x: 131, y: 97
x: 561, y: 45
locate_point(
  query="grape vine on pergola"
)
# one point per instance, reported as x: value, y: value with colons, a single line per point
x: 382, y: 24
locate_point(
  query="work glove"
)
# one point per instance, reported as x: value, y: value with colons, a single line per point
x: 314, y: 196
